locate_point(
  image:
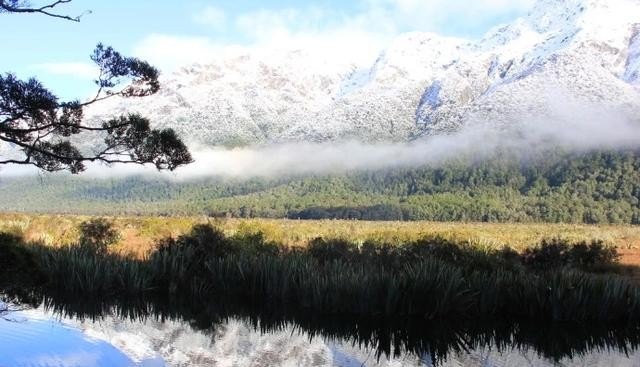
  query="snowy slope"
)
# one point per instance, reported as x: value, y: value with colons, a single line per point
x: 632, y: 66
x: 582, y: 51
x: 42, y: 338
x: 236, y: 343
x: 233, y: 343
x: 579, y: 51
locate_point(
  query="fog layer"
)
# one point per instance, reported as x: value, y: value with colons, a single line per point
x: 573, y: 128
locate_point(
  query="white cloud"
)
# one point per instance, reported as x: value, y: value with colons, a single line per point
x: 80, y: 70
x: 357, y: 36
x: 315, y: 30
x: 338, y: 45
x: 448, y: 16
x: 211, y: 16
x: 266, y: 31
x: 263, y: 24
x: 168, y: 52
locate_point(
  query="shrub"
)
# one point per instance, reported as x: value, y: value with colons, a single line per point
x: 254, y: 244
x: 96, y: 235
x: 558, y: 253
x: 332, y: 249
x: 206, y: 241
x: 380, y: 252
x: 434, y: 247
x: 550, y: 254
x: 592, y: 255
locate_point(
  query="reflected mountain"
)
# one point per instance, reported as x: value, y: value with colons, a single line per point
x: 162, y: 332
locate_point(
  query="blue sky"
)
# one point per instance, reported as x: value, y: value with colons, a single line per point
x: 171, y: 33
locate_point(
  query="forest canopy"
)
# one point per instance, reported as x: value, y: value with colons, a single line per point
x: 594, y: 187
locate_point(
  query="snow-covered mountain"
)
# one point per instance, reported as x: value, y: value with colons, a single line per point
x: 236, y: 343
x: 577, y: 51
x: 38, y: 337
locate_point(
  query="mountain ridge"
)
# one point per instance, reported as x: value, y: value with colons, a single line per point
x: 579, y: 51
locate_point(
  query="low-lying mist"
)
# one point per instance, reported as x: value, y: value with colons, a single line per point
x: 574, y: 129
x: 587, y: 130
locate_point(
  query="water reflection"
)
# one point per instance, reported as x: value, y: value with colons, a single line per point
x: 32, y: 339
x: 163, y: 332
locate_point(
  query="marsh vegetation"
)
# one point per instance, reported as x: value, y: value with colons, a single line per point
x: 430, y: 278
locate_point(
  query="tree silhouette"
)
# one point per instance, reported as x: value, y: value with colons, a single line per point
x: 45, y: 132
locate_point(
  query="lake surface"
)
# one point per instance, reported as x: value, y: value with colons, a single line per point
x: 55, y: 335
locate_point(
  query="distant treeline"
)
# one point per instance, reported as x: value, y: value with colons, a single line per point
x: 554, y: 186
x: 374, y: 212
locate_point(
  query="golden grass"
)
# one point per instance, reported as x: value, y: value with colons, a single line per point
x: 139, y: 233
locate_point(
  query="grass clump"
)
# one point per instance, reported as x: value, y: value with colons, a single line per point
x: 89, y: 268
x: 19, y: 266
x: 78, y: 271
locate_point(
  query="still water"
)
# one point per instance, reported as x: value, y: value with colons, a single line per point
x: 65, y: 336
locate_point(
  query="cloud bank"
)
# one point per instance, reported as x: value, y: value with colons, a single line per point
x: 358, y: 33
x: 574, y: 127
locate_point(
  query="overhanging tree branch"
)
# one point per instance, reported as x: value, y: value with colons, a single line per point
x: 46, y: 131
x: 17, y: 6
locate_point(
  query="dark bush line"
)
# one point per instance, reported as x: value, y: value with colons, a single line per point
x: 206, y: 242
x: 550, y: 254
x: 380, y: 212
x: 432, y: 278
x: 558, y: 253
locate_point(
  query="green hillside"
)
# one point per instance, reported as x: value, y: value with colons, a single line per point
x: 593, y: 187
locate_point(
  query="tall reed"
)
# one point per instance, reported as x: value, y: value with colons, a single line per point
x: 432, y: 278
